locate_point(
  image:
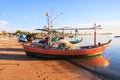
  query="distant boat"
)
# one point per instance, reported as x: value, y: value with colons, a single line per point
x: 76, y: 41
x: 116, y: 36
x: 71, y: 36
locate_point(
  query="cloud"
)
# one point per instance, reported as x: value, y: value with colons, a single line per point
x: 3, y: 23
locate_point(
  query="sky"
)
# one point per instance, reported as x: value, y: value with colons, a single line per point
x: 30, y: 14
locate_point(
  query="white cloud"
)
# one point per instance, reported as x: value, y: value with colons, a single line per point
x: 3, y: 23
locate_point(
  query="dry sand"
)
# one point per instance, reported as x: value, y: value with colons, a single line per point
x: 15, y: 65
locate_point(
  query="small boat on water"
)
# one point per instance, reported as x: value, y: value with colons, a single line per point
x: 71, y: 36
x: 76, y: 41
x: 50, y: 52
x: 117, y: 36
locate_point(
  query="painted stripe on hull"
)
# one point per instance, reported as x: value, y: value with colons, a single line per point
x: 41, y: 55
x: 88, y: 51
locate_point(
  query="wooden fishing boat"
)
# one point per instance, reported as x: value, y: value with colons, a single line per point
x: 84, y: 51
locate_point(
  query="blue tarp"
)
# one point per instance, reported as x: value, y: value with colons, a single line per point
x: 22, y: 37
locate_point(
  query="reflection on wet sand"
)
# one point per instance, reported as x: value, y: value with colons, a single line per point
x: 97, y: 65
x: 98, y: 61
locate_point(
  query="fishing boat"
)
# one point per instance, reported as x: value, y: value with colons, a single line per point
x: 70, y: 36
x: 76, y: 41
x: 74, y: 36
x: 84, y: 51
x: 50, y: 52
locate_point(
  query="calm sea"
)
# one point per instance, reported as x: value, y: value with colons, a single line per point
x: 112, y: 52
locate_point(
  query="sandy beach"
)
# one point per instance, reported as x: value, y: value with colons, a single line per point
x: 15, y: 65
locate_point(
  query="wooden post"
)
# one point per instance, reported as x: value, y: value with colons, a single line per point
x: 95, y: 27
x: 94, y: 34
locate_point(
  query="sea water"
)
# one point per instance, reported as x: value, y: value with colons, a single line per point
x: 112, y: 53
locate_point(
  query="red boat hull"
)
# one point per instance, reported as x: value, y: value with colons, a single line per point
x: 48, y: 53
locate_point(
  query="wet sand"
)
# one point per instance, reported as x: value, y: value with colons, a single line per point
x: 15, y: 65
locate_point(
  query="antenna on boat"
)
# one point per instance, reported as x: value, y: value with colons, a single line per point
x: 51, y: 11
x: 51, y: 22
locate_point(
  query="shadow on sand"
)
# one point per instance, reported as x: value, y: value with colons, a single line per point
x: 6, y: 54
x: 12, y: 49
x: 16, y: 57
x: 21, y: 57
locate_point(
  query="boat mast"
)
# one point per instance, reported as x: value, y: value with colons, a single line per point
x: 48, y: 21
x: 95, y: 27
